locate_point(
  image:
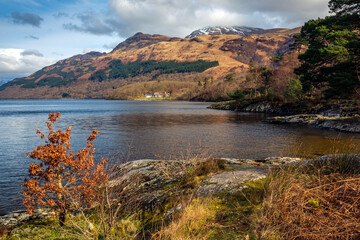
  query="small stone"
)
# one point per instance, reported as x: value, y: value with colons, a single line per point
x: 178, y: 207
x: 281, y: 160
x: 23, y: 217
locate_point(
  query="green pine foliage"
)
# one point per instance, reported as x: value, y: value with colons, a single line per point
x: 98, y: 76
x: 294, y: 89
x: 132, y: 69
x: 238, y: 94
x: 332, y: 59
x: 229, y: 77
x: 277, y: 59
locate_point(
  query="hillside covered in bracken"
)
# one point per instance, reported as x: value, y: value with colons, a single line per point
x: 188, y: 68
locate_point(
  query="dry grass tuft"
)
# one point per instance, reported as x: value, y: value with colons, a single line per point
x: 193, y: 222
x: 207, y: 166
x: 3, y: 231
x: 320, y: 200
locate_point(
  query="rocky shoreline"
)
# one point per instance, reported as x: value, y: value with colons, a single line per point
x: 153, y: 180
x: 333, y: 117
x: 19, y: 217
x: 258, y: 107
x: 343, y: 124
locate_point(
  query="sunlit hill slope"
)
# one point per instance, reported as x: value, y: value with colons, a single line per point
x: 146, y: 58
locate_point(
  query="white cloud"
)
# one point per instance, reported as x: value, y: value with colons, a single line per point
x: 90, y: 23
x: 217, y: 16
x: 179, y: 18
x: 14, y: 60
x: 87, y: 50
x: 111, y: 45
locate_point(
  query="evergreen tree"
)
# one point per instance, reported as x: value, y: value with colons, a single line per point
x: 331, y: 61
x: 294, y: 89
x: 238, y: 94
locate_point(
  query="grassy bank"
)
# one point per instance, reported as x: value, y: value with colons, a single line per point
x: 314, y: 200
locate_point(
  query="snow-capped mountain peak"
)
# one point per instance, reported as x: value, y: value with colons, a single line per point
x: 235, y: 30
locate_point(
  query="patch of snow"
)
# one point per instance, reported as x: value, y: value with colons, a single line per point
x: 237, y: 30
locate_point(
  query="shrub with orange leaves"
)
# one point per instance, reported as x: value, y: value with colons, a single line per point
x: 61, y: 179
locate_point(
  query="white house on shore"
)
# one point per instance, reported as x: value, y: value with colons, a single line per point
x: 157, y: 95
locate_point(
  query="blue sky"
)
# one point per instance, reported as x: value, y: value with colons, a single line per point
x: 37, y: 33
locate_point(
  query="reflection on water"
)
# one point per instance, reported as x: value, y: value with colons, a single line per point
x: 313, y: 146
x: 160, y: 130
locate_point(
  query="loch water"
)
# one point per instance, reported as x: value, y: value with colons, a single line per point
x: 131, y: 130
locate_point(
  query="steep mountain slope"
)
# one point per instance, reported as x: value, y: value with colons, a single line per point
x: 145, y: 57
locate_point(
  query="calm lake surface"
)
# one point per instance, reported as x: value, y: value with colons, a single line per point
x: 131, y: 130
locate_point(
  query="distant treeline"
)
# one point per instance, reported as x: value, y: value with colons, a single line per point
x: 116, y: 69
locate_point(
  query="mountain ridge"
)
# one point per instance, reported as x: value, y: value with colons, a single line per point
x: 218, y: 30
x: 92, y: 75
x: 235, y: 30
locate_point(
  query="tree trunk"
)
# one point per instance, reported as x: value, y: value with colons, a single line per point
x: 62, y: 217
x: 60, y: 198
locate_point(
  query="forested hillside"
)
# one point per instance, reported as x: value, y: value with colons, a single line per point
x: 325, y: 76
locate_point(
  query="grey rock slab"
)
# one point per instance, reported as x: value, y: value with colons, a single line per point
x: 230, y: 181
x: 344, y: 124
x: 281, y: 160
